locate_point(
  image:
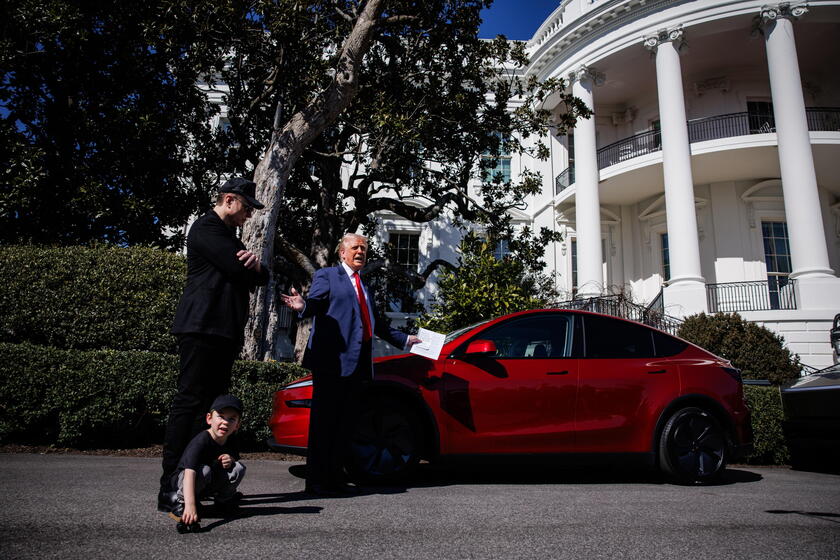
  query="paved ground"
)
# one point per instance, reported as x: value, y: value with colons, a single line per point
x: 70, y: 506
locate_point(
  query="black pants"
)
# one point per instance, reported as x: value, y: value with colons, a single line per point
x: 336, y: 404
x: 206, y: 363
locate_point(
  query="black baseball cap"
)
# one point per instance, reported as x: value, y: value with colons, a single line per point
x: 244, y: 188
x: 227, y: 401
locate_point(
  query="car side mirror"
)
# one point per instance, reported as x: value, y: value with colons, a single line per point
x: 481, y: 348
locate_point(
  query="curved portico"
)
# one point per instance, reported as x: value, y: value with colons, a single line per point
x: 722, y: 159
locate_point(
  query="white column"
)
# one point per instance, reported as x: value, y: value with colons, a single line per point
x: 686, y: 290
x: 808, y: 251
x: 587, y: 204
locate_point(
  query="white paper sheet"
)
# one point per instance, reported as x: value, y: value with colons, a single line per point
x: 431, y: 345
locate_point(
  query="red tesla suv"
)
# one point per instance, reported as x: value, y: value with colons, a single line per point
x: 575, y: 385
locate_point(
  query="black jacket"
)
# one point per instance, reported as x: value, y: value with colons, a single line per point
x: 215, y: 299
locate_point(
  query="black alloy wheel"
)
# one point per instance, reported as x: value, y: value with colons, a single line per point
x: 385, y: 444
x: 692, y: 447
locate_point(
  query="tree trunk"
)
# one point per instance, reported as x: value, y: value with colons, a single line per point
x: 272, y: 173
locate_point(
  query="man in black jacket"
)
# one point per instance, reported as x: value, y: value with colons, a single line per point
x: 210, y: 318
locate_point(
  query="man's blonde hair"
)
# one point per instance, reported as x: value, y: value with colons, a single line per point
x: 346, y: 238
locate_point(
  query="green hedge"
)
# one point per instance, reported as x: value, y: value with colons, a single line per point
x: 757, y: 351
x: 766, y: 406
x: 109, y: 398
x: 90, y: 298
x: 120, y: 399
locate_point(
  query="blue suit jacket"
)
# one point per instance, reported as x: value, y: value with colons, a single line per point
x: 335, y: 341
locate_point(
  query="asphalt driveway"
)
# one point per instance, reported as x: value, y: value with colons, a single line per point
x: 72, y: 506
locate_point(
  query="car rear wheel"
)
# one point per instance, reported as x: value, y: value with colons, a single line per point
x: 386, y: 441
x: 692, y: 447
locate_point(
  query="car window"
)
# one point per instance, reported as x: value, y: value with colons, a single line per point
x: 665, y: 345
x: 613, y: 338
x: 535, y: 336
x: 455, y: 334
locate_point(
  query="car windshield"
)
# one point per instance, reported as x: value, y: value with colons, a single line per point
x: 455, y: 334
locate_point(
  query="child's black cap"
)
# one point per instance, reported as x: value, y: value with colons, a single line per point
x: 227, y: 401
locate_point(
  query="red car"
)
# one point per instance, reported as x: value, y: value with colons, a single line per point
x: 570, y: 384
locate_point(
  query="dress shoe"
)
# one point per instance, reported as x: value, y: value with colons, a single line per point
x: 166, y: 500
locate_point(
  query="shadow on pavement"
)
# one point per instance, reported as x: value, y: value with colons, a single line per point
x: 251, y: 507
x: 830, y: 517
x: 435, y: 475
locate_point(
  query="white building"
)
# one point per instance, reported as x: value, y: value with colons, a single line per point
x: 710, y: 172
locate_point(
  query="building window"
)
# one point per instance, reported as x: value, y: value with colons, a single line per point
x: 666, y: 257
x: 405, y: 253
x: 406, y: 247
x: 501, y: 169
x: 760, y: 116
x: 501, y: 250
x: 776, y: 257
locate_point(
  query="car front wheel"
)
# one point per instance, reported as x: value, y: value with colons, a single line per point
x: 385, y: 445
x: 692, y: 447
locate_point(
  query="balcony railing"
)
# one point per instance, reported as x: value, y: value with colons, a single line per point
x: 619, y: 306
x: 820, y: 119
x: 566, y: 178
x: 776, y: 293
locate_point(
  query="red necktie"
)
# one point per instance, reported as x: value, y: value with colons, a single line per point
x: 364, y: 308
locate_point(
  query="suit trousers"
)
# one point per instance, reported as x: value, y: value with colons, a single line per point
x: 206, y: 363
x: 336, y: 403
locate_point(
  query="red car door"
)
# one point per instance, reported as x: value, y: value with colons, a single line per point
x: 520, y: 398
x: 623, y: 387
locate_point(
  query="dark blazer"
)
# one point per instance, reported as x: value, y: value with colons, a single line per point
x: 335, y: 341
x: 215, y: 299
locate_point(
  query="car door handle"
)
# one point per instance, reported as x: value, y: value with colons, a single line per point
x: 564, y: 372
x: 658, y: 371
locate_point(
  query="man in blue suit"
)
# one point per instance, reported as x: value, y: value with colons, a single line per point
x: 339, y: 355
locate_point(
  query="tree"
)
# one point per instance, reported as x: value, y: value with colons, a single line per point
x: 103, y: 132
x: 483, y: 287
x: 421, y: 139
x: 757, y: 351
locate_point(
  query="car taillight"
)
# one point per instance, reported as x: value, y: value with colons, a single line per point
x: 734, y: 373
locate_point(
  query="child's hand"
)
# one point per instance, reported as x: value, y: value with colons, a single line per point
x: 190, y: 515
x: 226, y: 461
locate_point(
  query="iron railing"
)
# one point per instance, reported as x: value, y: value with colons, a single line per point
x: 619, y: 306
x: 779, y: 292
x: 562, y: 181
x: 823, y: 119
x: 629, y: 148
x: 657, y: 304
x: 820, y: 119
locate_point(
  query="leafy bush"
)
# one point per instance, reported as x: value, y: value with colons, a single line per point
x: 769, y: 441
x: 108, y: 398
x: 757, y: 351
x: 90, y: 298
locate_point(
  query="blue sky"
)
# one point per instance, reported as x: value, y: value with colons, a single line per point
x: 515, y: 19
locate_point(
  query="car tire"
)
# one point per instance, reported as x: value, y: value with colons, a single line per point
x: 385, y: 444
x: 692, y: 447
